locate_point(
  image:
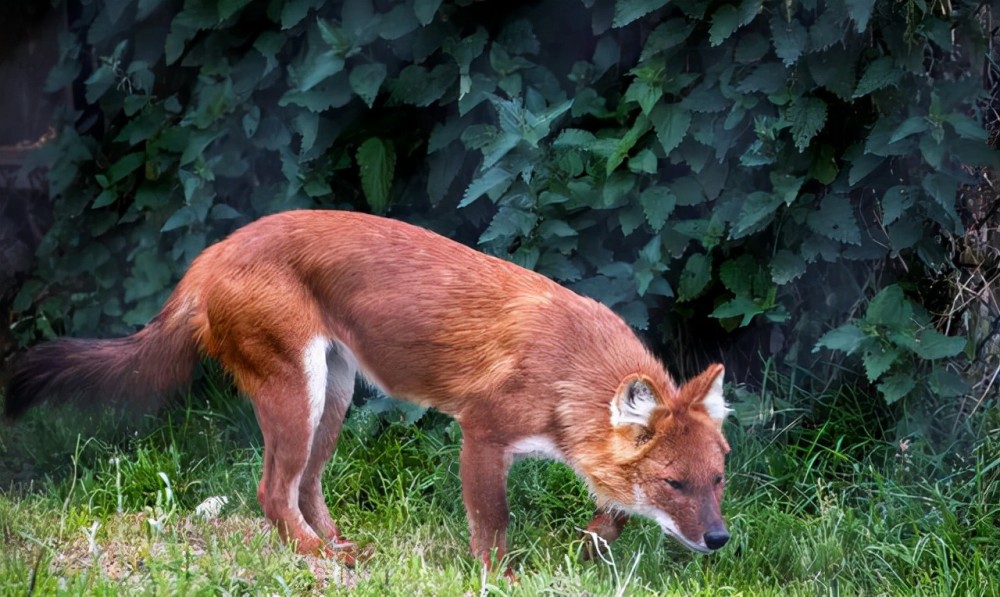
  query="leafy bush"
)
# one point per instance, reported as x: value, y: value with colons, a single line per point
x: 790, y: 170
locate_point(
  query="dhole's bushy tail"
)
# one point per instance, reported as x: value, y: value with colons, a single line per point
x: 136, y: 372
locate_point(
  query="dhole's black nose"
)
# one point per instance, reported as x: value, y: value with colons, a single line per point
x: 716, y: 539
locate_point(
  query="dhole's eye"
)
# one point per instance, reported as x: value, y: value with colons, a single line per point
x: 674, y: 483
x: 717, y: 480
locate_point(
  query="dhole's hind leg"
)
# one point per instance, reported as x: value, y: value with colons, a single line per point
x: 339, y: 389
x: 288, y: 437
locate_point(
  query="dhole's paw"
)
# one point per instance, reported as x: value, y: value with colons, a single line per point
x: 342, y: 551
x: 594, y: 547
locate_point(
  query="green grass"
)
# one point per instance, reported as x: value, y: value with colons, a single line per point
x: 814, y: 508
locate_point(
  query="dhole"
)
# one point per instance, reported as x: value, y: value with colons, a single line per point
x: 295, y: 304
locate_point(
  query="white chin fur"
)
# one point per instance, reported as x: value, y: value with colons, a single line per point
x: 666, y: 522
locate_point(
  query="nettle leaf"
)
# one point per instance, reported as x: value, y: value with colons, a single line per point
x: 293, y: 11
x: 365, y: 80
x: 695, y: 276
x: 878, y: 360
x: 932, y: 345
x: 228, y: 8
x: 425, y: 10
x: 741, y: 306
x: 786, y: 266
x: 667, y: 35
x: 125, y: 166
x: 616, y: 189
x: 626, y: 143
x: 644, y: 94
x: 725, y: 21
x: 807, y: 117
x: 757, y: 209
x: 657, y: 203
x: 947, y: 384
x: 942, y: 188
x: 751, y: 48
x: 890, y: 307
x: 895, y: 202
x: 826, y: 30
x: 767, y: 77
x: 862, y: 166
x: 896, y: 386
x: 860, y: 12
x: 789, y: 38
x: 397, y: 22
x: 377, y: 163
x: 508, y: 224
x: 630, y: 218
x: 786, y: 186
x: 882, y: 72
x: 910, y: 126
x: 846, y: 338
x: 671, y: 122
x: 574, y: 138
x: 627, y: 11
x: 494, y: 180
x: 905, y: 233
x: 835, y: 220
x: 966, y: 127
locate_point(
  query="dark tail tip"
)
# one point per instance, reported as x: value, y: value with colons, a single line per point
x: 24, y: 388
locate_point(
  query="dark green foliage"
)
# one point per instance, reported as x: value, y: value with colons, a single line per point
x: 775, y: 166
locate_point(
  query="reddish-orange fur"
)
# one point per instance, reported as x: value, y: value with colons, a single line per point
x: 508, y: 353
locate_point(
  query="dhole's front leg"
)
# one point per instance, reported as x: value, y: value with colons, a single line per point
x: 483, y: 468
x: 607, y: 526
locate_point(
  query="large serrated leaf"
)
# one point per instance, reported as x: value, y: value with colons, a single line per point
x: 671, y: 122
x: 626, y: 143
x: 657, y: 203
x: 896, y: 386
x: 671, y: 33
x: 786, y: 266
x: 895, y: 201
x: 365, y: 80
x: 826, y: 30
x: 757, y: 208
x: 882, y: 72
x: 789, y: 38
x: 862, y: 166
x: 942, y: 188
x: 807, y: 117
x: 890, y: 307
x: 695, y: 276
x: 878, y: 360
x: 860, y: 12
x: 627, y: 11
x: 786, y: 186
x: 751, y: 48
x: 495, y: 179
x: 767, y: 77
x: 846, y: 338
x: 725, y: 21
x: 932, y: 345
x: 377, y: 164
x: 835, y: 220
x: 574, y: 138
x: 425, y: 10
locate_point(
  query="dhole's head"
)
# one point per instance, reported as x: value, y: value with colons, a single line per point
x: 670, y: 448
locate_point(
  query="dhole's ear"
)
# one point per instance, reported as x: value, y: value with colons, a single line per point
x: 712, y: 400
x: 633, y: 404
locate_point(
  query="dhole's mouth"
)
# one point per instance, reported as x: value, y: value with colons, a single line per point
x: 698, y: 547
x: 670, y: 528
